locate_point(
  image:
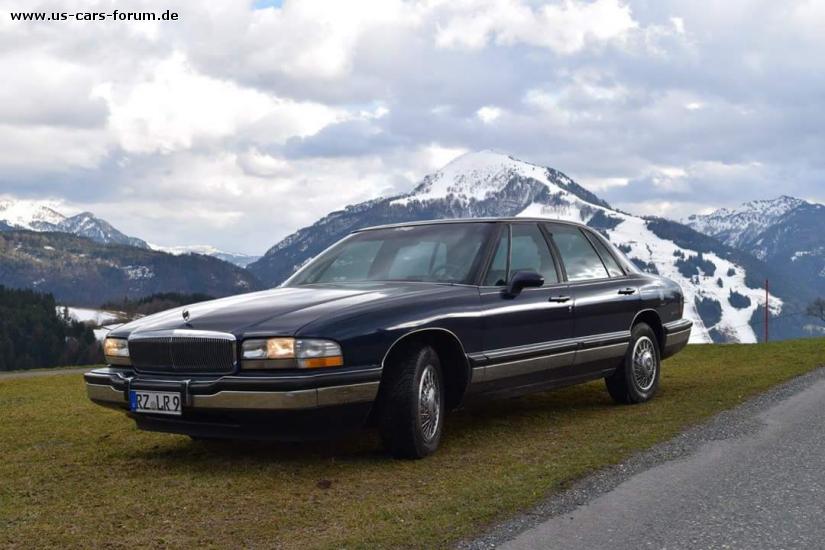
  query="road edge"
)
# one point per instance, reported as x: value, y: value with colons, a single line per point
x: 737, y: 421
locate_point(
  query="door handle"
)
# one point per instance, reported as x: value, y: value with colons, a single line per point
x: 627, y: 291
x: 559, y: 299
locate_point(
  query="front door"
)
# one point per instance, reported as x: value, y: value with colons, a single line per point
x: 529, y: 335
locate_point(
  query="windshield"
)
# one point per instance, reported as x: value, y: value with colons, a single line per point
x: 441, y: 253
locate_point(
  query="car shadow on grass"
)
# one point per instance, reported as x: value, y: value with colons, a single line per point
x: 470, y: 426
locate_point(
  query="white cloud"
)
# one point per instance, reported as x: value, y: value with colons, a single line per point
x: 255, y: 122
x: 488, y: 114
x: 42, y: 151
x: 174, y: 107
x: 565, y: 28
x: 678, y: 24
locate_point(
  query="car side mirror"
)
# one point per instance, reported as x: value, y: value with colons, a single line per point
x: 522, y: 280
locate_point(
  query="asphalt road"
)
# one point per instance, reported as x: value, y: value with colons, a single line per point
x: 753, y: 477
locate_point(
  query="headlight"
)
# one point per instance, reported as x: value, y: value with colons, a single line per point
x: 290, y: 353
x: 116, y: 351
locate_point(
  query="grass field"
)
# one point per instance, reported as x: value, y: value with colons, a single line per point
x: 73, y: 474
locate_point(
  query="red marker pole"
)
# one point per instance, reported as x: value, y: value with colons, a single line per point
x: 767, y: 296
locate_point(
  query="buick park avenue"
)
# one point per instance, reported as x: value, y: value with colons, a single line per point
x: 392, y: 327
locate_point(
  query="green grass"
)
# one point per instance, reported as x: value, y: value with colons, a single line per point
x: 74, y: 474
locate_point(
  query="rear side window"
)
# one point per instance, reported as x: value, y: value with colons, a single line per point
x: 579, y: 257
x: 609, y: 261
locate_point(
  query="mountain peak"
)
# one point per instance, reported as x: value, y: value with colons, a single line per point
x: 778, y: 206
x: 28, y: 214
x: 478, y: 159
x: 476, y: 176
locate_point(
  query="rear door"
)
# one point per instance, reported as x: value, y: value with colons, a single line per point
x: 605, y: 298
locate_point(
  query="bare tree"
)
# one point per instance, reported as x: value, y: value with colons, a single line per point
x: 817, y: 309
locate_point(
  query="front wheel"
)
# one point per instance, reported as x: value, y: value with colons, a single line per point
x: 637, y: 380
x: 411, y: 403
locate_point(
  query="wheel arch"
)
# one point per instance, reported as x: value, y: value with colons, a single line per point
x: 654, y: 321
x: 455, y: 365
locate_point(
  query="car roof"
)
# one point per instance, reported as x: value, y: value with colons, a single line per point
x: 469, y: 220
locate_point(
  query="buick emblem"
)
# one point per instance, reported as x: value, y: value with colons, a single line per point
x: 186, y: 315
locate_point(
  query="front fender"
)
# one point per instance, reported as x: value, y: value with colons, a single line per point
x: 366, y: 334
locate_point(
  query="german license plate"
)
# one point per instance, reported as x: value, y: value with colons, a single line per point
x: 155, y: 402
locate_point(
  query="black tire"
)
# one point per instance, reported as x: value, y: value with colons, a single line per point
x: 401, y: 421
x: 629, y: 385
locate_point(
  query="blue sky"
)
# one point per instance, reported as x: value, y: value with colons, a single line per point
x: 241, y: 122
x: 262, y: 4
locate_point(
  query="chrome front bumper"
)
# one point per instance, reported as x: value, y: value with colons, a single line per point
x: 260, y: 400
x: 110, y: 387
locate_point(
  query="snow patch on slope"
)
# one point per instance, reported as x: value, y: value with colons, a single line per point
x: 137, y: 272
x: 88, y: 315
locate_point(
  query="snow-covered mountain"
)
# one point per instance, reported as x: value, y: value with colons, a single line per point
x: 742, y: 226
x: 785, y: 232
x: 721, y: 289
x: 44, y: 216
x: 32, y: 215
x: 39, y: 216
x: 236, y: 258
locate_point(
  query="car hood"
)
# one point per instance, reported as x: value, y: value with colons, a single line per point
x: 276, y: 312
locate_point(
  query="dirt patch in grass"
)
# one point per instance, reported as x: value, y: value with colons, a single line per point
x: 74, y: 474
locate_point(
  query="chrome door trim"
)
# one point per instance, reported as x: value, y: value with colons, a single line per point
x: 515, y: 352
x: 523, y: 366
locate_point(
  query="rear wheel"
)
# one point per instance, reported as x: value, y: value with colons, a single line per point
x: 411, y: 403
x: 637, y: 380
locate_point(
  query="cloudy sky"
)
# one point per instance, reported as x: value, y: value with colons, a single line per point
x: 243, y: 121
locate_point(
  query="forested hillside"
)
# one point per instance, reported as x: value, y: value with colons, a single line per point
x: 32, y: 335
x: 78, y: 271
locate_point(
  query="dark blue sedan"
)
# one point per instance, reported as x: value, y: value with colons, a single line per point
x: 395, y: 325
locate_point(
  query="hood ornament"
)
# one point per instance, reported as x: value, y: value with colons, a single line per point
x: 186, y: 315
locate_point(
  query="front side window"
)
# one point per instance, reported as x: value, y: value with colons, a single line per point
x: 444, y: 253
x: 528, y: 252
x: 579, y: 257
x: 497, y: 274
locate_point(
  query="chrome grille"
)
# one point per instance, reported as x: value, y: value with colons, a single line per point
x: 183, y: 354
